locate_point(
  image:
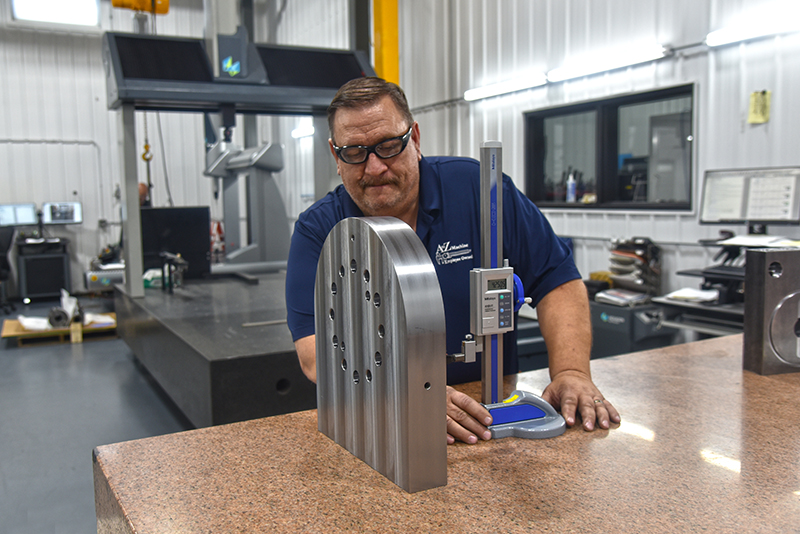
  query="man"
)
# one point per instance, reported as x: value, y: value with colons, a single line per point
x: 376, y: 144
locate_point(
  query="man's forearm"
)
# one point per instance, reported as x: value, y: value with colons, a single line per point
x: 567, y: 328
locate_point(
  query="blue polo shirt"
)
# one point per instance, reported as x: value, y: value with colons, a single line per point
x: 448, y: 223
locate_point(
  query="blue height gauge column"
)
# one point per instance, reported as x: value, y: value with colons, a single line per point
x: 493, y: 303
x: 492, y: 285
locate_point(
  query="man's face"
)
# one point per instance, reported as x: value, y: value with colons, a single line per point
x: 379, y: 187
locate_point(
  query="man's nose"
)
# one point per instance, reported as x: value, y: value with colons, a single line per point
x: 375, y: 165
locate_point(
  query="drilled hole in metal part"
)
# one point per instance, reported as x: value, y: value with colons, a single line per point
x: 427, y: 386
x: 366, y: 276
x: 356, y: 378
x: 283, y: 386
x: 334, y: 289
x: 341, y: 345
x: 797, y: 328
x: 331, y: 314
x: 366, y: 296
x: 335, y: 341
x: 353, y: 266
x: 381, y: 331
x: 341, y: 271
x: 378, y: 359
x: 368, y: 375
x: 775, y: 269
x: 352, y: 237
x: 344, y: 364
x: 376, y: 299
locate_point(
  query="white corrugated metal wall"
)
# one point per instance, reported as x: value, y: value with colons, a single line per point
x: 450, y: 46
x: 58, y: 141
x: 318, y: 24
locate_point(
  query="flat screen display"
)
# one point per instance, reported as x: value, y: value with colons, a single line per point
x: 18, y: 215
x: 62, y: 213
x: 741, y: 196
x: 497, y: 284
x: 184, y: 231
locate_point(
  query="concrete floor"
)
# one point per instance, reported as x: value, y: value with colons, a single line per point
x: 58, y: 402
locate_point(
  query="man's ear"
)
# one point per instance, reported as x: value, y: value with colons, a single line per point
x: 333, y: 152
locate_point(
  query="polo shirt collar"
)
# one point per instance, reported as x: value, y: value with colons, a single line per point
x: 430, y: 198
x: 349, y: 207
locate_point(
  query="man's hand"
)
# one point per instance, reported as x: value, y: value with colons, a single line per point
x: 307, y: 354
x: 573, y: 392
x: 467, y: 419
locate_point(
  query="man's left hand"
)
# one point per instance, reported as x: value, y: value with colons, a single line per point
x: 574, y: 393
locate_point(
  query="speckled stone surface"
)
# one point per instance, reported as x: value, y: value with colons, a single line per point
x: 682, y: 406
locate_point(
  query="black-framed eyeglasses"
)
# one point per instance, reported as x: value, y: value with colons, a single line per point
x: 389, y: 148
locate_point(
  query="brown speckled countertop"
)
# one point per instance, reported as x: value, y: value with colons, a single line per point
x: 703, y: 447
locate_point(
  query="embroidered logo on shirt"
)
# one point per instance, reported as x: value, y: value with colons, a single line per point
x: 447, y: 253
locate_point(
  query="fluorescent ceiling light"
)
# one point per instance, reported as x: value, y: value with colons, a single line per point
x: 608, y: 60
x: 80, y: 12
x: 772, y: 19
x: 304, y: 129
x: 509, y: 86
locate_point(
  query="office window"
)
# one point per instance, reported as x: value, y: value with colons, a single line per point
x: 78, y: 12
x: 631, y: 151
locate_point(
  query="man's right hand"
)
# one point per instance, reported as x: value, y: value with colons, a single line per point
x: 467, y: 419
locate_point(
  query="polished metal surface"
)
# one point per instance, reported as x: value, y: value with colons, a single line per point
x: 380, y: 335
x: 772, y: 311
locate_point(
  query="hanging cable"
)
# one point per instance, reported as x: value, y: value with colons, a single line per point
x: 164, y: 159
x: 153, y: 16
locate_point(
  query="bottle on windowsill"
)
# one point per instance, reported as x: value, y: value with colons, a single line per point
x: 571, y: 186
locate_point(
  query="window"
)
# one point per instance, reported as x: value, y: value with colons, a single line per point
x: 632, y: 151
x: 78, y: 12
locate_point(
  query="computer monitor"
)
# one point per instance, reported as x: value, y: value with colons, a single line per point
x: 751, y: 196
x: 184, y: 231
x: 62, y: 213
x: 18, y: 215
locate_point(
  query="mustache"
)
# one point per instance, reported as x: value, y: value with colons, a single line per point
x: 372, y: 182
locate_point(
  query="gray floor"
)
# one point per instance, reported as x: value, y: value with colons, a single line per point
x: 58, y: 402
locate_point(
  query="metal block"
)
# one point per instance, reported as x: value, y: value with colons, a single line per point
x: 772, y: 311
x: 381, y: 346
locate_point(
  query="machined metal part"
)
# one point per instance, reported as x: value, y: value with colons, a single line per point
x: 267, y: 157
x: 525, y: 415
x: 772, y: 311
x: 380, y: 348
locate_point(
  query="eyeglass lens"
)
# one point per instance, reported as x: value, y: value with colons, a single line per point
x: 386, y: 149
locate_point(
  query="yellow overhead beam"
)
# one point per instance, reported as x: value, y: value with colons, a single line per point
x: 387, y: 47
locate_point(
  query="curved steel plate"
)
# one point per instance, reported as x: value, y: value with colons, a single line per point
x: 380, y: 341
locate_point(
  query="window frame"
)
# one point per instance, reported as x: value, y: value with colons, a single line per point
x: 53, y: 26
x: 606, y: 150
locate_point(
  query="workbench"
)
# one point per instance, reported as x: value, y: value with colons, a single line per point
x: 703, y: 447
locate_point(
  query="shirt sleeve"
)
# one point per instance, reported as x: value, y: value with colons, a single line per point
x: 541, y: 259
x: 301, y: 273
